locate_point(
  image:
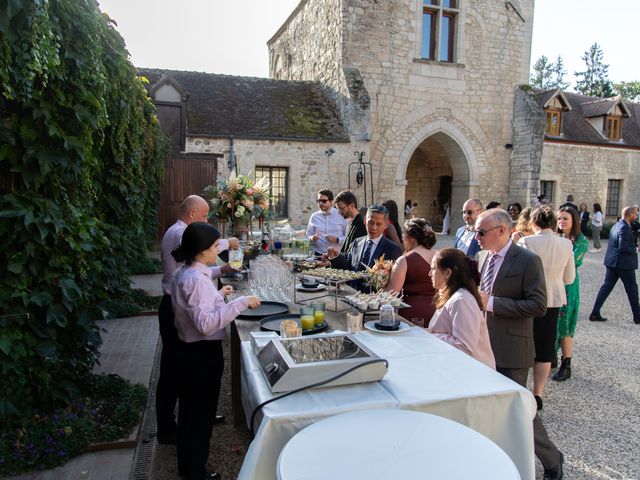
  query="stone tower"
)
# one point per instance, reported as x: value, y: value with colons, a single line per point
x: 425, y: 88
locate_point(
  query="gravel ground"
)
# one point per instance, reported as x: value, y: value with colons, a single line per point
x: 592, y: 418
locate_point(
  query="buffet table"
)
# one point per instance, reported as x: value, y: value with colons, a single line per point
x: 425, y: 374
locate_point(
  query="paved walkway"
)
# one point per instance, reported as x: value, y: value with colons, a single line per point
x: 128, y: 349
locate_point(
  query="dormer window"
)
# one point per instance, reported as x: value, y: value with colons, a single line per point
x: 553, y: 113
x: 612, y: 125
x: 438, y: 29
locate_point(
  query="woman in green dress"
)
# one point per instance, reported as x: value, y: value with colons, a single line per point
x: 569, y: 227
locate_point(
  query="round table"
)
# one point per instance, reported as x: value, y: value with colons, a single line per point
x: 391, y: 443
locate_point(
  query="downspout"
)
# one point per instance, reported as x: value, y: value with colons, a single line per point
x: 231, y: 162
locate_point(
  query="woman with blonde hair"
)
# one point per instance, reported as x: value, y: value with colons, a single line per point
x: 458, y: 319
x: 523, y: 225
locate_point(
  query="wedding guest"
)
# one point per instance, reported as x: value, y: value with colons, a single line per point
x: 201, y: 316
x: 584, y: 219
x: 407, y: 209
x: 410, y: 271
x: 465, y: 239
x: 569, y: 228
x: 326, y: 228
x: 523, y: 227
x: 458, y: 319
x: 393, y: 231
x: 514, y: 210
x: 556, y: 254
x: 596, y: 227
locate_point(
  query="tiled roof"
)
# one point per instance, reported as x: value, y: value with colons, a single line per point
x: 575, y: 124
x: 247, y: 107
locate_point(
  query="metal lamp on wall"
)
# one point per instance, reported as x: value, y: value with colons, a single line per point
x: 363, y: 176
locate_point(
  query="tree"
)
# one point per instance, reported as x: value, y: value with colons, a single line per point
x: 547, y: 75
x: 629, y: 91
x: 81, y: 159
x: 594, y: 81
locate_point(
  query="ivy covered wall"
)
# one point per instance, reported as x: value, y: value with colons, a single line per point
x: 80, y: 170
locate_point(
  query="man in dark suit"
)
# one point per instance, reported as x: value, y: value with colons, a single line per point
x: 621, y: 261
x: 514, y: 292
x: 347, y: 204
x: 365, y: 250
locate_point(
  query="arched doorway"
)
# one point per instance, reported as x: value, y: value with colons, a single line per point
x: 437, y: 176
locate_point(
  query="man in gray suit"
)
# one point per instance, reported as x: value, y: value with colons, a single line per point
x: 514, y: 292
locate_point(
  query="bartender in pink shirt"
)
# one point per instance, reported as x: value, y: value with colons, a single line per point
x: 201, y: 316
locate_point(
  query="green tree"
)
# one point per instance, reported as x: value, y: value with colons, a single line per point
x: 547, y: 74
x: 80, y: 160
x: 594, y: 80
x: 630, y: 91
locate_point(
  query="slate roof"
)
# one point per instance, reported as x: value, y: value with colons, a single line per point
x: 248, y: 107
x: 577, y: 129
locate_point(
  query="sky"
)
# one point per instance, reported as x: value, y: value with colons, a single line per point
x: 230, y: 36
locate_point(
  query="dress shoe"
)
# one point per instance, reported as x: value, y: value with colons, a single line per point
x: 538, y: 401
x: 597, y: 318
x: 636, y: 320
x: 554, y: 473
x: 218, y: 420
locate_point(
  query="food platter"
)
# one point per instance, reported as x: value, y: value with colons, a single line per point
x: 335, y: 274
x: 272, y: 323
x: 371, y: 302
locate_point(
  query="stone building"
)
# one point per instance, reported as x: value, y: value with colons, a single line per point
x: 427, y: 91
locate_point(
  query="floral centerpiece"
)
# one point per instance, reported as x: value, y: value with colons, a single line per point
x: 237, y: 200
x: 379, y: 273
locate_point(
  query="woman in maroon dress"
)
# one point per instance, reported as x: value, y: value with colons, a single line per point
x: 410, y: 273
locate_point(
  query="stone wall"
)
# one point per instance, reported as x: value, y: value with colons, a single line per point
x: 526, y: 156
x: 584, y: 171
x: 470, y: 101
x: 310, y: 168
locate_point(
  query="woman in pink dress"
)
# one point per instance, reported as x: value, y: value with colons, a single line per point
x: 410, y: 273
x: 459, y: 320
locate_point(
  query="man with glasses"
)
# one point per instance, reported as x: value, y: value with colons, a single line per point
x: 465, y: 236
x: 347, y: 205
x: 326, y: 227
x: 365, y: 250
x: 514, y: 292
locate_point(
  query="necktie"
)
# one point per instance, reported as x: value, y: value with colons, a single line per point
x: 366, y: 254
x: 487, y: 279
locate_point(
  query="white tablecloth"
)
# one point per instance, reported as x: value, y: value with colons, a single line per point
x: 425, y: 374
x: 385, y: 444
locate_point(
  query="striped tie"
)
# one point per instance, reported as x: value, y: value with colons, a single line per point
x: 487, y: 279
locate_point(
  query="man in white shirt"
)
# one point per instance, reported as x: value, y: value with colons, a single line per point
x: 193, y: 209
x: 326, y: 228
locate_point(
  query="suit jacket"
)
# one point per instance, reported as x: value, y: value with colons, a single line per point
x: 519, y: 295
x: 556, y: 254
x: 356, y: 229
x: 469, y: 249
x: 621, y: 249
x: 351, y: 260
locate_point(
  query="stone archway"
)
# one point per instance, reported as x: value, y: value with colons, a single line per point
x: 436, y: 171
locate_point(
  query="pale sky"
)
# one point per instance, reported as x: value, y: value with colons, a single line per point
x: 230, y: 36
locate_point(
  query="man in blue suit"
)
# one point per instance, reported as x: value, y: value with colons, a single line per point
x: 621, y: 261
x: 365, y: 250
x: 465, y: 239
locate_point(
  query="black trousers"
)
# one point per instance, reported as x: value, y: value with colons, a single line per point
x: 545, y: 450
x: 201, y: 365
x: 167, y: 389
x: 611, y: 277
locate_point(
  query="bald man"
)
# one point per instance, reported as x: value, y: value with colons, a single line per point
x: 465, y: 239
x: 193, y: 209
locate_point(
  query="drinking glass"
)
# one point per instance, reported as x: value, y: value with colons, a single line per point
x: 235, y: 258
x: 318, y: 313
x: 307, y: 319
x: 354, y: 321
x: 290, y: 329
x: 387, y: 316
x: 418, y: 321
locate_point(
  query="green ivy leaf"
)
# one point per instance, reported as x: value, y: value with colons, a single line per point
x: 41, y: 299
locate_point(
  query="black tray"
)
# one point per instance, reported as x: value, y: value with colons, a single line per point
x: 272, y: 323
x: 264, y: 310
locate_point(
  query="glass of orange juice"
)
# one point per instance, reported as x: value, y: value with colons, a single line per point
x: 307, y: 318
x: 318, y: 313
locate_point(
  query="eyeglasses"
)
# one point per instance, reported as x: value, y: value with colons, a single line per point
x: 468, y: 212
x: 482, y: 233
x: 323, y: 200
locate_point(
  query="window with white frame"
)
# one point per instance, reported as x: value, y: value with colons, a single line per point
x: 439, y: 23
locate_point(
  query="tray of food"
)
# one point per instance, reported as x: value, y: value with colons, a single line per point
x: 370, y: 302
x: 335, y: 274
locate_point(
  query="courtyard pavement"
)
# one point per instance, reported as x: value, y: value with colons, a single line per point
x: 592, y: 418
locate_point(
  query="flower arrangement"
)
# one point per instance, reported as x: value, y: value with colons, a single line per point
x: 238, y: 200
x: 379, y: 273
